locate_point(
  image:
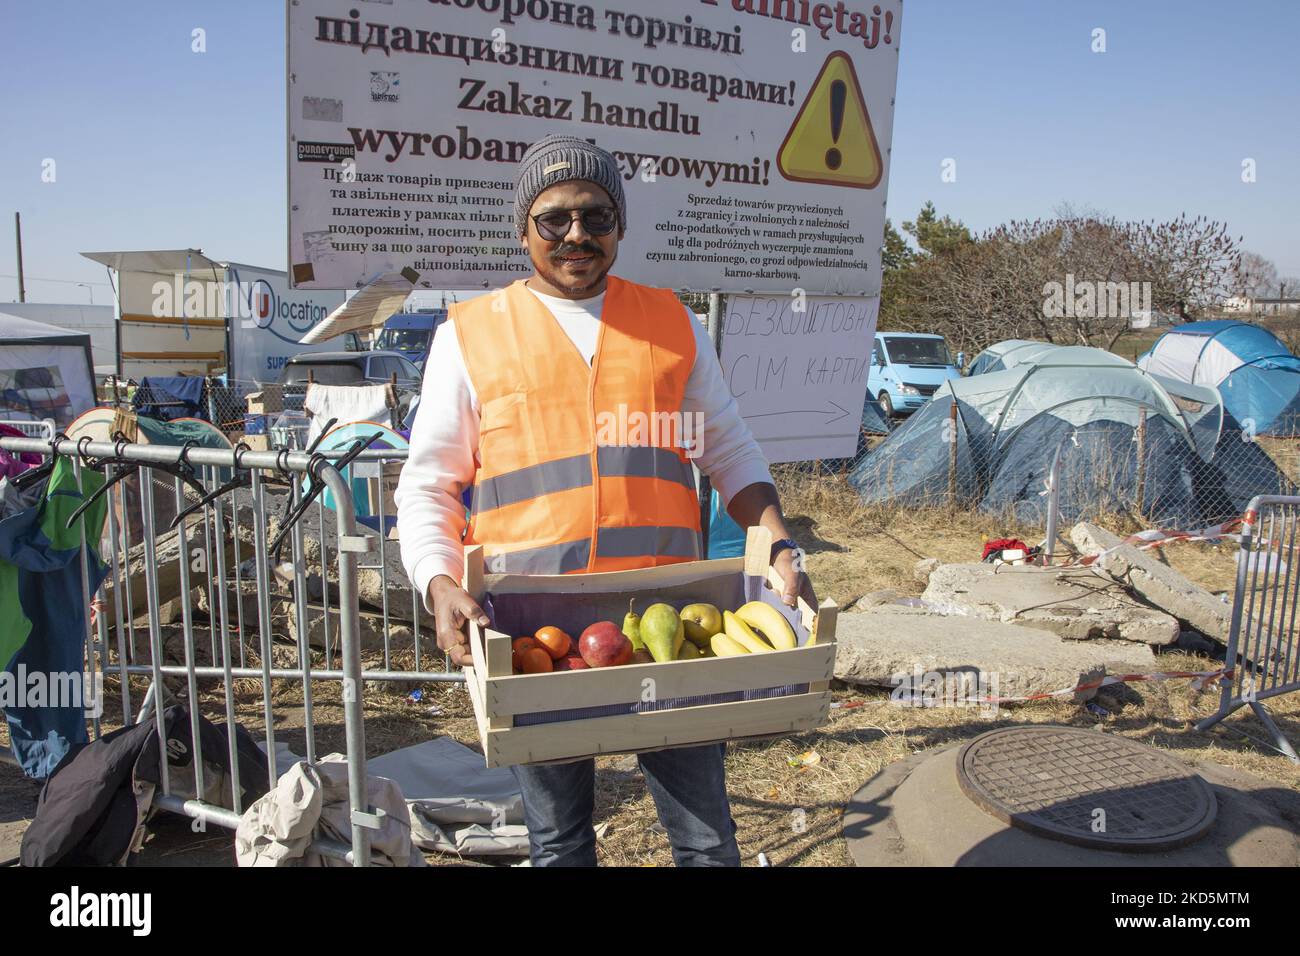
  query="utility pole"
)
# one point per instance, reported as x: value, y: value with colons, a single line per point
x: 18, y: 234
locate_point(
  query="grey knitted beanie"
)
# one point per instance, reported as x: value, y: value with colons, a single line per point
x: 557, y: 159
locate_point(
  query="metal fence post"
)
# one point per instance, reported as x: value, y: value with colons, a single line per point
x: 952, y: 454
x: 349, y: 545
x: 1140, y: 496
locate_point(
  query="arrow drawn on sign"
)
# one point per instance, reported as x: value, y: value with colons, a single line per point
x: 808, y: 411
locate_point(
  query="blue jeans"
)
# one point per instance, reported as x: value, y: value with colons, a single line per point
x: 689, y: 790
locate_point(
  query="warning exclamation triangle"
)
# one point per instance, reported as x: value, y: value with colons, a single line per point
x: 831, y: 140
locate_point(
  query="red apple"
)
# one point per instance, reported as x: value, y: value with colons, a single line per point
x: 604, y: 645
x: 571, y: 662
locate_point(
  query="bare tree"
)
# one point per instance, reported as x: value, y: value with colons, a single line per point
x: 1070, y: 279
x: 1190, y: 263
x: 1255, y: 276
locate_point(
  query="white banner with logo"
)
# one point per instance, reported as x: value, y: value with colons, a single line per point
x: 753, y: 138
x: 268, y: 320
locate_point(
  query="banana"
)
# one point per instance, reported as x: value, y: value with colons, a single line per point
x: 768, y: 620
x: 723, y: 646
x: 740, y: 632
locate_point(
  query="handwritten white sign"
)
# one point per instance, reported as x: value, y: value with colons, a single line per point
x: 798, y: 367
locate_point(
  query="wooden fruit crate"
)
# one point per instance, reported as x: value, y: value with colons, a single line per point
x: 568, y: 715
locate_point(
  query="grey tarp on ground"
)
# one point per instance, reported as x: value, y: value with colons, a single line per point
x: 457, y: 805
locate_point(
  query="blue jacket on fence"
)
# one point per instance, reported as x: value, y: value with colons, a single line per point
x: 43, y: 611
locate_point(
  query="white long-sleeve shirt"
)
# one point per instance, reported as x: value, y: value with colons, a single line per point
x: 444, y: 440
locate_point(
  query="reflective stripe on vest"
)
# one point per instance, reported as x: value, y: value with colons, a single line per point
x: 628, y: 461
x: 678, y: 543
x: 548, y: 499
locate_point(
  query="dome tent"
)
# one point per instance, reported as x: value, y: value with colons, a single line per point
x: 996, y: 449
x: 1016, y: 352
x: 1004, y: 355
x: 1257, y: 376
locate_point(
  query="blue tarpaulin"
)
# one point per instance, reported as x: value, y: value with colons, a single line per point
x: 168, y: 397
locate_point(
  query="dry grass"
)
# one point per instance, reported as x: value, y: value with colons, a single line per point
x: 787, y: 807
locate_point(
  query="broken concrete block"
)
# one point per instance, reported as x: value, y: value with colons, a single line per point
x: 874, y: 599
x: 167, y: 554
x: 884, y: 647
x: 1089, y: 539
x: 1168, y: 590
x: 1077, y: 604
x: 370, y: 629
x: 922, y: 570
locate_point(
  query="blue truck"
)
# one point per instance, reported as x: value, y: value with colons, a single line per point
x: 906, y: 370
x: 411, y: 334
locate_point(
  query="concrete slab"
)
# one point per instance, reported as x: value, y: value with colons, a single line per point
x: 1089, y: 539
x: 1168, y: 590
x: 913, y: 813
x: 1154, y: 581
x: 1074, y: 603
x: 876, y: 646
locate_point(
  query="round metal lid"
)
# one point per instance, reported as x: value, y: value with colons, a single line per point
x: 1087, y: 788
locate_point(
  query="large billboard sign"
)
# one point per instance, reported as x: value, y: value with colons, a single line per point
x: 753, y: 136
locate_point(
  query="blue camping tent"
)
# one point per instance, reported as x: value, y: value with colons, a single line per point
x: 1255, y: 373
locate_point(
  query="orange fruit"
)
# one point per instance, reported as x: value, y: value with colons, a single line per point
x: 518, y: 646
x: 554, y: 641
x: 536, y: 660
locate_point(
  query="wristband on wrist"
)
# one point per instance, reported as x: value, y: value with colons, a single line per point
x: 782, y: 545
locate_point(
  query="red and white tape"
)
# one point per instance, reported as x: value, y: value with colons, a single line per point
x: 1159, y: 537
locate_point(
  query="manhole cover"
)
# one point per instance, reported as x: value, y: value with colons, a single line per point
x: 1086, y: 788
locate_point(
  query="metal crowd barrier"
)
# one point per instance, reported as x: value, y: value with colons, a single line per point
x: 320, y: 579
x: 1262, y: 645
x: 43, y: 428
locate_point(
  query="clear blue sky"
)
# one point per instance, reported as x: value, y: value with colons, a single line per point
x: 158, y: 147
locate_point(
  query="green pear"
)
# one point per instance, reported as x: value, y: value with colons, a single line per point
x: 662, y: 632
x: 689, y: 651
x: 632, y: 627
x: 702, y: 621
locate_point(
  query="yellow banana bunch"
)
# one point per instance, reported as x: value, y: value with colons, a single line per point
x: 767, y: 619
x: 723, y: 646
x: 742, y: 634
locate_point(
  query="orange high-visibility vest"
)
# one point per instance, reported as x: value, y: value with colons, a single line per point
x: 566, y: 482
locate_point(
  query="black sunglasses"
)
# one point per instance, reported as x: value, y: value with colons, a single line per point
x: 596, y: 220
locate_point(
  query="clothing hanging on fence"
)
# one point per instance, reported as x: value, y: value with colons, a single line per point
x: 311, y: 801
x: 43, y: 610
x: 15, y: 463
x: 93, y: 809
x: 348, y: 403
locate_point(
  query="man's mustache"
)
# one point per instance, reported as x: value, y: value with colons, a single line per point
x: 569, y: 248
